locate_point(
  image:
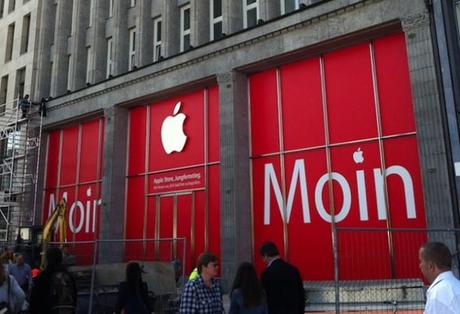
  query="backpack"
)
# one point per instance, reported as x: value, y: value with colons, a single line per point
x: 63, y: 294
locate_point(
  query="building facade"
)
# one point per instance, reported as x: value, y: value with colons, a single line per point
x: 229, y: 123
x: 19, y: 23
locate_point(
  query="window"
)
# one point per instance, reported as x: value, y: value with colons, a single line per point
x: 25, y: 33
x: 20, y: 82
x: 88, y: 64
x: 9, y: 43
x: 91, y: 13
x: 250, y: 13
x: 2, y: 6
x: 132, y: 48
x: 111, y: 8
x: 156, y: 39
x: 109, y: 57
x: 133, y: 3
x: 185, y: 28
x: 216, y: 19
x: 3, y: 91
x: 11, y: 6
x: 289, y: 6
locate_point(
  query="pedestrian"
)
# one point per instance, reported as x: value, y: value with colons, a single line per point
x: 443, y: 295
x: 133, y: 293
x: 24, y: 105
x: 11, y: 295
x: 203, y: 295
x: 22, y: 272
x: 247, y: 295
x: 282, y: 283
x: 53, y: 290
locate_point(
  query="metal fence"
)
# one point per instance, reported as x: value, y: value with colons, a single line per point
x: 99, y: 266
x: 377, y: 271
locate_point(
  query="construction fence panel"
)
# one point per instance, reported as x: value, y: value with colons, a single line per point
x: 378, y: 269
x: 99, y: 266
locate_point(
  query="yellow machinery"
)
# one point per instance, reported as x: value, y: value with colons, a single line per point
x: 58, y: 215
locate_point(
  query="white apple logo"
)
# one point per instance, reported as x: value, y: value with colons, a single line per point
x: 172, y: 132
x: 358, y: 156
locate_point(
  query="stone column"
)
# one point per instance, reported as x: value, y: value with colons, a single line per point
x: 232, y: 14
x: 438, y: 184
x: 428, y: 118
x: 235, y: 198
x: 61, y: 55
x: 120, y: 37
x: 112, y: 215
x: 145, y: 37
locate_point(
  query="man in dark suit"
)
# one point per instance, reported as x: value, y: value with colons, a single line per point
x: 282, y: 283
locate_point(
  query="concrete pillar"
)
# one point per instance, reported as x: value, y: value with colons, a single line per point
x: 46, y: 31
x: 232, y: 15
x: 428, y: 113
x: 438, y: 184
x: 200, y: 22
x: 269, y: 9
x: 171, y: 28
x: 61, y: 55
x: 77, y: 66
x: 120, y: 37
x: 112, y: 215
x: 145, y: 32
x: 235, y: 199
x: 97, y: 41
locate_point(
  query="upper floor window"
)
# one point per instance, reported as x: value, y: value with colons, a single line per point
x: 185, y: 28
x: 111, y: 7
x: 109, y: 57
x: 289, y: 6
x: 133, y: 3
x: 132, y: 48
x: 25, y: 33
x: 216, y: 19
x: 3, y: 91
x: 9, y: 42
x: 20, y: 82
x: 157, y: 39
x: 250, y: 13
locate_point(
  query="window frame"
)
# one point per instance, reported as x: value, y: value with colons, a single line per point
x: 214, y: 20
x: 248, y: 7
x: 184, y: 32
x: 157, y: 44
x: 132, y: 48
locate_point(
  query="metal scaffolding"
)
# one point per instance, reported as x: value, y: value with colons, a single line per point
x: 19, y: 161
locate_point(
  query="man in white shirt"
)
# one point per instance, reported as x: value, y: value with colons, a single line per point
x: 443, y: 295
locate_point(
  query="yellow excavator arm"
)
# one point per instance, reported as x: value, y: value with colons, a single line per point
x: 58, y: 214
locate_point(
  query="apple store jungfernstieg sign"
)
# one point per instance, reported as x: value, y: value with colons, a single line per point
x: 173, y: 137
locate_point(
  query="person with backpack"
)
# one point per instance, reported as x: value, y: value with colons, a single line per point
x: 133, y: 293
x: 11, y: 295
x: 53, y: 290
